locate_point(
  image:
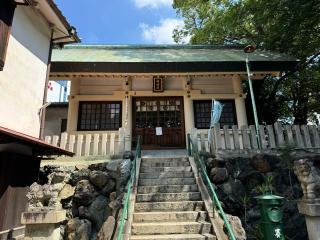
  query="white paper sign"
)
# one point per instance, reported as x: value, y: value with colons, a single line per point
x: 159, y: 131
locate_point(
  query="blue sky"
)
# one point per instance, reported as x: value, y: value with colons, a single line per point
x: 122, y: 21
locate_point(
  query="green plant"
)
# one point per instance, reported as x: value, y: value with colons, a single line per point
x: 266, y: 187
x: 245, y: 201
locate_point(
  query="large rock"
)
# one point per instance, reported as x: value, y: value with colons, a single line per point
x: 107, y: 228
x: 57, y: 177
x: 238, y: 230
x: 98, y: 167
x: 114, y: 165
x: 128, y: 155
x: 78, y: 229
x: 109, y: 187
x: 66, y: 192
x: 77, y: 176
x: 120, y: 170
x: 261, y: 163
x: 99, y: 178
x: 97, y: 212
x: 219, y: 175
x: 85, y: 193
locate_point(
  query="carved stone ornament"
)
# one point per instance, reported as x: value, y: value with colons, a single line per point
x: 309, y: 177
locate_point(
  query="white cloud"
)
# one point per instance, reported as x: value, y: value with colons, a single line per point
x: 162, y: 33
x: 153, y: 3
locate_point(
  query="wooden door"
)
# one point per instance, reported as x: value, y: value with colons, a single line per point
x: 165, y: 112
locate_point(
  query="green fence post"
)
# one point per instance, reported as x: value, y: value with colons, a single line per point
x: 189, y: 144
x: 271, y: 217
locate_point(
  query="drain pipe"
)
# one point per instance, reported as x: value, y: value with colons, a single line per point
x: 45, y: 93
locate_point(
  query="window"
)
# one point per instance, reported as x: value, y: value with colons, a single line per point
x: 202, y: 113
x: 6, y: 16
x: 99, y: 116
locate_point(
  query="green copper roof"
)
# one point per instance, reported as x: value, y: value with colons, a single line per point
x: 161, y: 53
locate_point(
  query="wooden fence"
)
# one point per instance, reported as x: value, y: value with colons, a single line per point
x: 94, y: 144
x: 271, y: 136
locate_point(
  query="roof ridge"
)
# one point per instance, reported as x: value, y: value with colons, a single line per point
x: 152, y: 46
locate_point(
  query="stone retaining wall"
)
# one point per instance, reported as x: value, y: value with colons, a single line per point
x: 241, y: 177
x: 90, y: 195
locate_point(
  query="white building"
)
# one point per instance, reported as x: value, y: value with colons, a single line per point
x: 28, y: 30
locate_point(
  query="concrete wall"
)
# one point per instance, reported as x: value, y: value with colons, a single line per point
x: 54, y: 116
x: 113, y: 88
x: 23, y: 78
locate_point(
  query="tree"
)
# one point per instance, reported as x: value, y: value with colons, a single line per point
x: 287, y: 26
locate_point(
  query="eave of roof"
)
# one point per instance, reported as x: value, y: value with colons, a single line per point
x: 63, y: 32
x: 35, y: 143
x: 164, y: 58
x: 71, y: 30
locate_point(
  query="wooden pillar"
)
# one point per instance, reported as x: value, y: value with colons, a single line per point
x: 73, y: 106
x: 188, y: 114
x: 239, y: 101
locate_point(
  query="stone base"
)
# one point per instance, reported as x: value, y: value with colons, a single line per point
x: 42, y: 232
x: 43, y: 225
x: 43, y: 217
x: 311, y: 210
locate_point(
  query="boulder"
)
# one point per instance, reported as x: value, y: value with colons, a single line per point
x: 109, y: 187
x: 56, y: 177
x: 81, y: 166
x: 66, y: 192
x: 77, y: 176
x: 106, y: 230
x: 98, y: 167
x: 265, y: 162
x: 85, y: 193
x: 128, y: 155
x: 97, y: 212
x: 78, y: 229
x: 113, y: 196
x: 120, y: 170
x: 99, y: 178
x: 238, y: 230
x: 219, y: 175
x: 114, y: 165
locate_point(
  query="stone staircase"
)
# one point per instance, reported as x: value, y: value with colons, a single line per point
x: 168, y: 203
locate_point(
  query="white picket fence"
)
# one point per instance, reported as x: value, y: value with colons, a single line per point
x: 245, y: 138
x: 95, y: 144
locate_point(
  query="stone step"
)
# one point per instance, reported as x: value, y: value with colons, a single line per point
x: 175, y: 236
x: 166, y: 181
x: 165, y: 164
x: 170, y: 228
x: 165, y: 159
x: 164, y: 169
x: 186, y: 216
x: 166, y: 175
x: 167, y: 189
x: 168, y: 197
x: 169, y: 206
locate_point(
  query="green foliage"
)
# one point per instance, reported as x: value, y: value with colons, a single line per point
x: 287, y: 26
x: 266, y: 187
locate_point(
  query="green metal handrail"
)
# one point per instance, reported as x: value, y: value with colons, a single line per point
x: 193, y: 151
x: 130, y: 185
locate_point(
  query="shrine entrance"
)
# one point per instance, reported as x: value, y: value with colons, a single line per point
x: 159, y: 121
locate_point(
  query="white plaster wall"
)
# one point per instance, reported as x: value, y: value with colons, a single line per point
x: 54, y: 116
x: 23, y: 78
